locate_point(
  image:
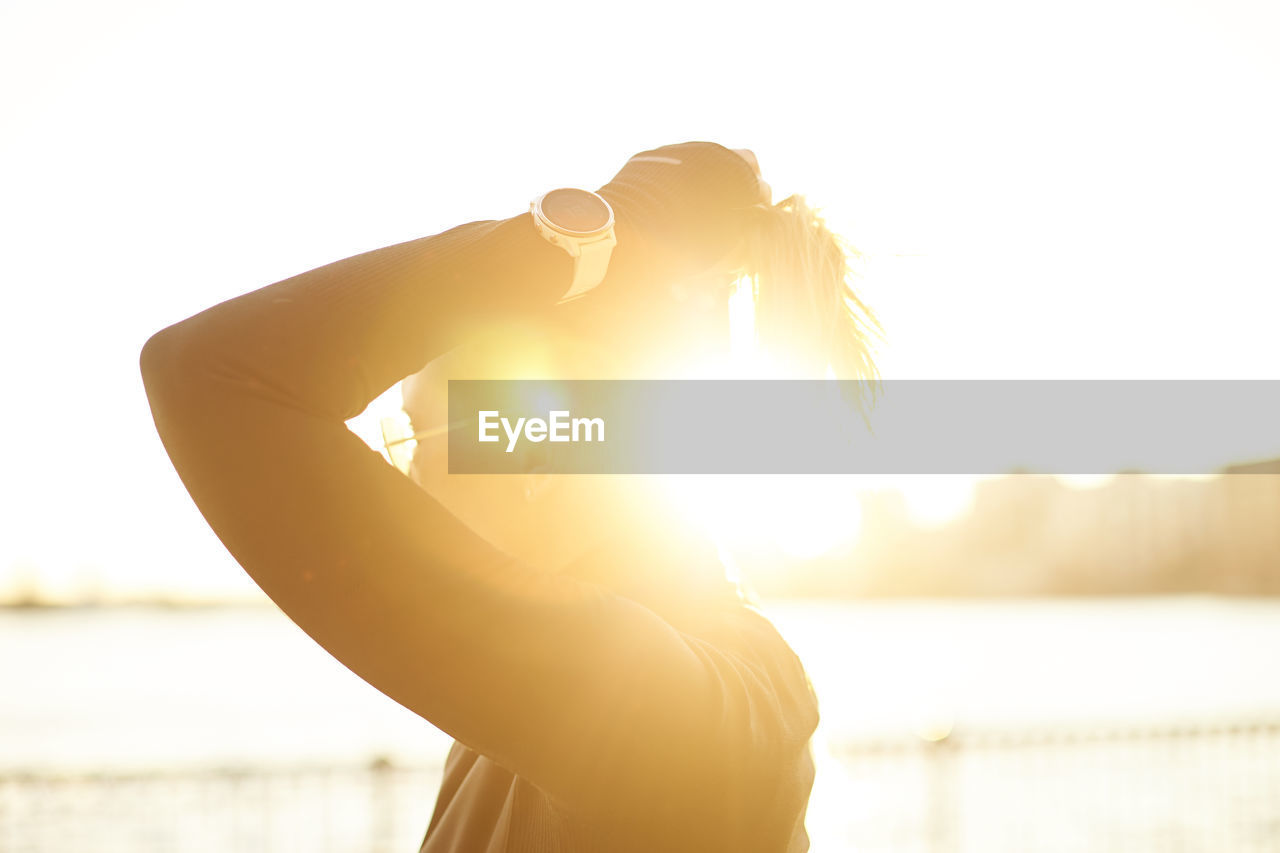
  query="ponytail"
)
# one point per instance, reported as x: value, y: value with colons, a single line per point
x: 806, y: 309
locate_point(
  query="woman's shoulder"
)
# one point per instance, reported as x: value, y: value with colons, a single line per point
x: 746, y: 633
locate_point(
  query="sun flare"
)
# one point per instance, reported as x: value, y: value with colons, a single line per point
x: 805, y: 516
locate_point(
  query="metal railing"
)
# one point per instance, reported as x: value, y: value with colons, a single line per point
x: 377, y: 807
x: 1203, y: 787
x: 1200, y: 787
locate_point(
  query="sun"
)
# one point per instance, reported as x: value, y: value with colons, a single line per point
x: 806, y: 515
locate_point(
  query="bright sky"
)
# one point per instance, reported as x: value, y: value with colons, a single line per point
x: 1073, y: 190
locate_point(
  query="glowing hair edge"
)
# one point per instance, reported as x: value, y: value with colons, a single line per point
x: 806, y: 307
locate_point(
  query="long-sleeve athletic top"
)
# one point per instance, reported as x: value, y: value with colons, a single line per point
x: 583, y: 719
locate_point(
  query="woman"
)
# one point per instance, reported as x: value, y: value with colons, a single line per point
x: 606, y: 687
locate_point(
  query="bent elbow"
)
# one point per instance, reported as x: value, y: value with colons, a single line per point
x: 169, y: 370
x: 154, y: 357
x: 167, y: 356
x: 158, y: 363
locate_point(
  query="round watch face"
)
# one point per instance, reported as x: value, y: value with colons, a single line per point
x: 576, y: 211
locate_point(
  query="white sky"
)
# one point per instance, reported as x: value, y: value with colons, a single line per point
x: 1086, y: 189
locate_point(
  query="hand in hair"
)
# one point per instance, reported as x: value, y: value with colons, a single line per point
x: 681, y: 215
x: 680, y: 209
x: 766, y: 191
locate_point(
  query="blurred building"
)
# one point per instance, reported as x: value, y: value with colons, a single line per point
x: 1033, y: 534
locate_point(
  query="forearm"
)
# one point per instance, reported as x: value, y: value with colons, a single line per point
x: 329, y: 341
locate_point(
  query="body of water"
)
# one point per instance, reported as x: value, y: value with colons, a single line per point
x: 144, y: 689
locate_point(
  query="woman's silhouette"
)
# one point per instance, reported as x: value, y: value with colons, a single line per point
x: 606, y: 686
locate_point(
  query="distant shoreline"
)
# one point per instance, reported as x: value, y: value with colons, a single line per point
x: 147, y: 603
x: 27, y: 605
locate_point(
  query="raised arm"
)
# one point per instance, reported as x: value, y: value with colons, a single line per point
x: 558, y: 680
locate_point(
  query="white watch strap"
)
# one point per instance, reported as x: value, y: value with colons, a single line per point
x: 589, y: 267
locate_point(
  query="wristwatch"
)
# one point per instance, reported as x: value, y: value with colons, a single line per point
x: 580, y: 222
